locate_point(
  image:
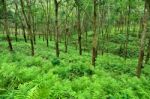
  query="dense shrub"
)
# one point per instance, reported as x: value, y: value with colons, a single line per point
x: 55, y: 61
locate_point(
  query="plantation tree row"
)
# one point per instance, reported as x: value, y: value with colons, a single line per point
x: 69, y: 22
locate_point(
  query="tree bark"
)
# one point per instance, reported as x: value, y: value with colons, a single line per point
x: 128, y: 30
x: 6, y: 25
x: 95, y: 36
x: 143, y: 36
x: 79, y: 31
x: 24, y: 33
x: 16, y: 23
x: 57, y: 28
x: 28, y: 22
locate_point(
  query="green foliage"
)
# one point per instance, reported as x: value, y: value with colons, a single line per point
x: 117, y: 46
x: 55, y: 61
x: 73, y: 71
x: 71, y: 76
x: 26, y: 77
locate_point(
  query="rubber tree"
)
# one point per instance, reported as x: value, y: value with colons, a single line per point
x: 6, y: 29
x: 78, y: 4
x: 46, y: 10
x: 128, y: 28
x: 95, y: 35
x: 16, y: 19
x: 143, y: 37
x: 56, y: 3
x: 28, y: 20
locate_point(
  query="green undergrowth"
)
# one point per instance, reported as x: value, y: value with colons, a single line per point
x: 71, y: 76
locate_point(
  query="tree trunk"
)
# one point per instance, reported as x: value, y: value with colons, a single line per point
x: 24, y: 33
x: 47, y: 32
x: 28, y: 22
x: 143, y: 36
x: 30, y: 27
x: 128, y: 30
x: 66, y: 37
x: 95, y: 36
x: 6, y: 25
x: 16, y: 23
x: 33, y: 28
x: 79, y: 26
x: 57, y: 32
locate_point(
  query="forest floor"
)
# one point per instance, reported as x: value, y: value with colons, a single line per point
x: 69, y: 77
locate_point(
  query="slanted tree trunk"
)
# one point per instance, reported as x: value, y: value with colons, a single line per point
x: 6, y: 25
x: 22, y: 25
x: 24, y: 32
x: 28, y: 22
x: 23, y: 28
x: 143, y: 36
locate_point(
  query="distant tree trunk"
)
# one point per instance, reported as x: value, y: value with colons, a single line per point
x: 100, y: 26
x: 79, y: 25
x: 57, y: 27
x: 95, y: 36
x: 16, y: 31
x: 86, y: 38
x: 48, y: 21
x: 66, y: 32
x: 85, y: 24
x: 107, y: 35
x: 3, y: 30
x: 128, y: 29
x: 140, y: 28
x: 33, y: 29
x: 143, y: 36
x: 79, y: 30
x: 148, y: 53
x: 6, y: 25
x: 16, y: 20
x: 24, y: 33
x: 66, y: 37
x: 102, y: 29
